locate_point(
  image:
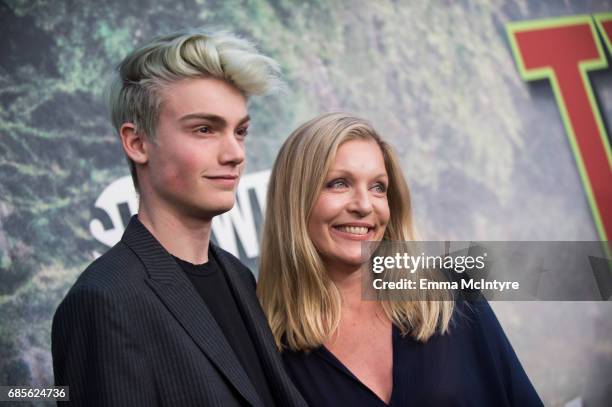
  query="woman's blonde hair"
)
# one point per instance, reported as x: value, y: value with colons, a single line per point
x: 301, y: 302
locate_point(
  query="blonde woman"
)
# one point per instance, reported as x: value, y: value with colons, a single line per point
x: 334, y: 185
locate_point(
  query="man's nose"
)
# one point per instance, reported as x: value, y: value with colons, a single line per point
x: 231, y: 151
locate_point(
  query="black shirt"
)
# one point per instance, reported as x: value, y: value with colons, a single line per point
x: 210, y: 282
x: 473, y: 365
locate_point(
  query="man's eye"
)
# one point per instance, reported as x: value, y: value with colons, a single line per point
x: 243, y: 132
x: 204, y: 130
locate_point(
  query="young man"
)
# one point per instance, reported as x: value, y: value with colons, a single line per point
x: 165, y: 317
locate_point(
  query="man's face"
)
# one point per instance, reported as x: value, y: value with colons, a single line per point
x: 197, y: 157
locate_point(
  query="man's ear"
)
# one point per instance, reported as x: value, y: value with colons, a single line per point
x: 134, y: 143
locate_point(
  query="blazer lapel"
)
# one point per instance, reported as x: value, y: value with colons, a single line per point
x: 180, y: 297
x: 262, y: 337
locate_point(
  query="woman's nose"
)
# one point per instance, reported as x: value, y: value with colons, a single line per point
x: 361, y: 202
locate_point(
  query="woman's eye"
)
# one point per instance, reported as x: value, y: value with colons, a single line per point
x: 380, y: 188
x: 337, y: 184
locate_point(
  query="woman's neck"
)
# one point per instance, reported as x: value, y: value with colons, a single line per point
x: 349, y: 285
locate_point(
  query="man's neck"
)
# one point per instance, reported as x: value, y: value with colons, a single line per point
x: 182, y: 236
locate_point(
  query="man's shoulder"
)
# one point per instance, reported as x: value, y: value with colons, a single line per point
x: 228, y: 257
x: 111, y: 278
x: 111, y: 271
x: 234, y: 263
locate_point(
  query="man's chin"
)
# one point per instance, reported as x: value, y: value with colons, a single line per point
x: 218, y: 209
x: 209, y: 211
x: 222, y: 210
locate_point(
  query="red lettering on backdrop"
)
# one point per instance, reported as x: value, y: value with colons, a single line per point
x: 604, y: 22
x: 564, y: 50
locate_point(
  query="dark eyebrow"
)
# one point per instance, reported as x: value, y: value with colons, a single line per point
x: 213, y: 118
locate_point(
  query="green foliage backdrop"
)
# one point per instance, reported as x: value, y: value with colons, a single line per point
x: 486, y: 154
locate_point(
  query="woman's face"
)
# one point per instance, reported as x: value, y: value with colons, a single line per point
x: 352, y: 206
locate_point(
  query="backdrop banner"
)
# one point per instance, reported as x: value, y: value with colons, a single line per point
x: 499, y: 111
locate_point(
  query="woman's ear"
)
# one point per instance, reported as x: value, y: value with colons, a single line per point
x: 134, y: 143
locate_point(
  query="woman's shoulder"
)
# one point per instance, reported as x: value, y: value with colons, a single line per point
x: 291, y: 356
x: 474, y: 313
x: 475, y: 321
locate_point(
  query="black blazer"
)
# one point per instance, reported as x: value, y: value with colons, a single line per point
x: 133, y: 331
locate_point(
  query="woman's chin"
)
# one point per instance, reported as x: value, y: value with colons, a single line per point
x: 349, y: 263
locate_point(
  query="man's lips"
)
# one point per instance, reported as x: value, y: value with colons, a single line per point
x: 222, y: 176
x: 226, y: 180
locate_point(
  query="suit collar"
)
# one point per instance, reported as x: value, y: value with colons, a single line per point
x: 180, y: 297
x: 158, y: 263
x: 261, y: 335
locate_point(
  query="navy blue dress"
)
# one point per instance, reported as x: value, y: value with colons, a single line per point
x: 472, y: 365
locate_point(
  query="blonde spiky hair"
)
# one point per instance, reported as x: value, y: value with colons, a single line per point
x: 134, y: 93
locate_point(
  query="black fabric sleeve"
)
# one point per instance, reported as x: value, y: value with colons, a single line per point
x: 244, y: 272
x: 251, y: 278
x: 95, y: 353
x: 519, y: 390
